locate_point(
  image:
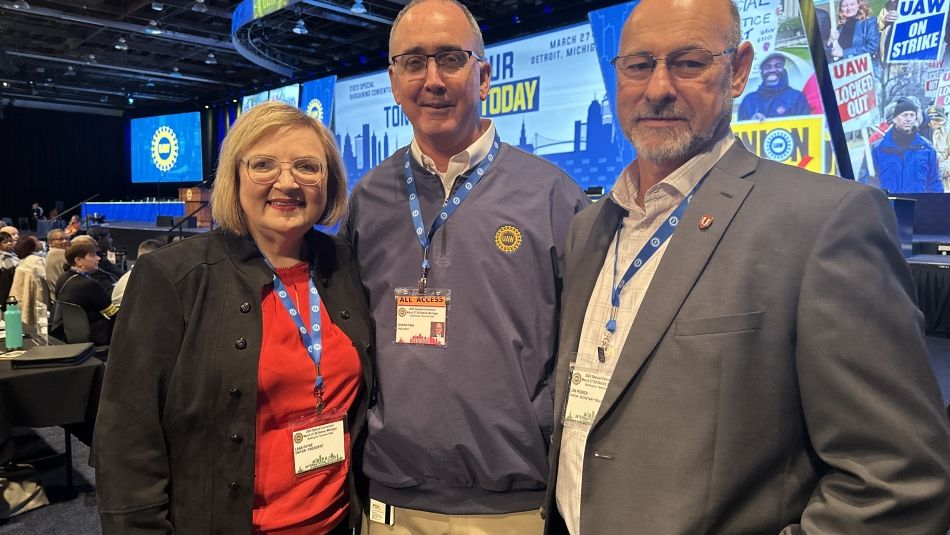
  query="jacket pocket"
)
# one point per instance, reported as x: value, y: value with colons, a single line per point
x: 747, y: 321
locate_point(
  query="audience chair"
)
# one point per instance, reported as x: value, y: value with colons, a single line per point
x: 76, y: 326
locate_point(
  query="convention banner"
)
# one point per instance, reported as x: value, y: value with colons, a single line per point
x: 533, y: 107
x: 918, y: 32
x: 797, y: 141
x: 249, y: 101
x: 289, y: 94
x: 316, y: 98
x: 853, y: 81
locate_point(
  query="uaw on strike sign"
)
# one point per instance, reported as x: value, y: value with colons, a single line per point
x: 853, y: 80
x: 918, y: 31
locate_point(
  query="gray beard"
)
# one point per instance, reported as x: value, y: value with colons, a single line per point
x: 680, y: 144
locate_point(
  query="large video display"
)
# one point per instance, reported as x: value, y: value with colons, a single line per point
x: 167, y: 148
x: 892, y: 84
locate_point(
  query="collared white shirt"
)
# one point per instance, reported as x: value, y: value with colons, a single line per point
x: 638, y: 226
x: 459, y: 163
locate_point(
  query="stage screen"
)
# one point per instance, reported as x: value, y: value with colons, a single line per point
x: 531, y: 105
x: 167, y: 148
x: 892, y: 86
x: 250, y: 101
x: 289, y: 94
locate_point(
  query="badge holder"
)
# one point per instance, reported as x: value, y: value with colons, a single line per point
x: 587, y: 389
x: 319, y: 442
x: 422, y: 316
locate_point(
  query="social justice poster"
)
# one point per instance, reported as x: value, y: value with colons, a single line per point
x: 903, y: 145
x: 532, y: 105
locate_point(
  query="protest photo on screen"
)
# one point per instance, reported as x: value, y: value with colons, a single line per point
x: 891, y: 83
x: 780, y: 115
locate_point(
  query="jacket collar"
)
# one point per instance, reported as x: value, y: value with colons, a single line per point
x: 248, y: 259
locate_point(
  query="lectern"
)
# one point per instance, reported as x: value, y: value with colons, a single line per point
x: 193, y: 199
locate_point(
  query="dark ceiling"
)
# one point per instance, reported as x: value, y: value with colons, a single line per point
x: 98, y: 54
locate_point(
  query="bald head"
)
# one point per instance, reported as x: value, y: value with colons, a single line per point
x: 476, y: 31
x: 725, y: 11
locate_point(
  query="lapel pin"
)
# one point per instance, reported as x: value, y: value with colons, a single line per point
x: 705, y: 222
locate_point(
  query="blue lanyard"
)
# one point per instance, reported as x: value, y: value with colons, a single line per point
x: 646, y: 252
x: 312, y: 339
x: 448, y: 207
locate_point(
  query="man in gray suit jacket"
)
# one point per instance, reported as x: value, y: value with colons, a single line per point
x: 739, y: 348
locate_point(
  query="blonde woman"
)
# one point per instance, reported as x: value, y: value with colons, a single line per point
x: 239, y: 369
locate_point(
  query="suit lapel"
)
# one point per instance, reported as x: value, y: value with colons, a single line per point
x: 582, y: 272
x: 687, y: 254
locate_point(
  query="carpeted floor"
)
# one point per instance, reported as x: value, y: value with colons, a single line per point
x: 76, y: 515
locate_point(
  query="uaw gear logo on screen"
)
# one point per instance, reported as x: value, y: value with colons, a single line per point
x: 315, y: 109
x: 779, y: 145
x: 164, y: 148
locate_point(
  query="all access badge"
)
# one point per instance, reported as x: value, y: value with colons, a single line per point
x: 508, y: 239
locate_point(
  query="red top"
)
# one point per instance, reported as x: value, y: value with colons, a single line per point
x: 317, y: 502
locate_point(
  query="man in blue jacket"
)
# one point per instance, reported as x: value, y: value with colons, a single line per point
x: 904, y: 161
x: 774, y: 98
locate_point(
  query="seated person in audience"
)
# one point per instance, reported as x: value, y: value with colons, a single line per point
x: 28, y: 251
x: 8, y: 259
x: 56, y: 242
x: 107, y: 280
x: 104, y: 241
x: 76, y: 286
x: 74, y: 226
x: 13, y: 232
x: 145, y: 247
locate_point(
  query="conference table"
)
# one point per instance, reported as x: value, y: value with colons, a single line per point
x: 66, y: 396
x: 143, y: 211
x: 932, y: 283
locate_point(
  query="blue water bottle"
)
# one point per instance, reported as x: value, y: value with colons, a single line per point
x: 13, y: 324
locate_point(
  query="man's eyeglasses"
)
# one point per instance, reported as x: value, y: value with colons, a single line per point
x: 682, y: 64
x: 266, y: 169
x: 449, y: 62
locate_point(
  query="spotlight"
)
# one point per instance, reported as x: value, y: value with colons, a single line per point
x: 120, y: 44
x: 210, y: 60
x: 158, y: 6
x: 152, y: 28
x: 70, y: 71
x: 22, y: 5
x: 199, y: 6
x: 358, y: 7
x: 6, y: 84
x: 131, y: 99
x: 300, y: 28
x: 104, y: 99
x: 91, y: 59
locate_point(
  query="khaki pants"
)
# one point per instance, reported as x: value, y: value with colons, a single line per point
x: 412, y: 522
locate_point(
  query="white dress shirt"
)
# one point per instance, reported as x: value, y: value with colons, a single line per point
x: 638, y: 226
x: 462, y: 161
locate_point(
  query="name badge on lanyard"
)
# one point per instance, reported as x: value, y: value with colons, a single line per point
x: 422, y: 312
x: 318, y: 437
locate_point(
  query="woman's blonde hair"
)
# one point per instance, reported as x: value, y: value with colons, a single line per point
x: 251, y: 127
x: 864, y: 11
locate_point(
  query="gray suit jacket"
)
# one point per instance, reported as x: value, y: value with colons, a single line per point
x: 775, y: 379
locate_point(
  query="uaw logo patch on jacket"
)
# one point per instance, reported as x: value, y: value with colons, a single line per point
x: 508, y: 239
